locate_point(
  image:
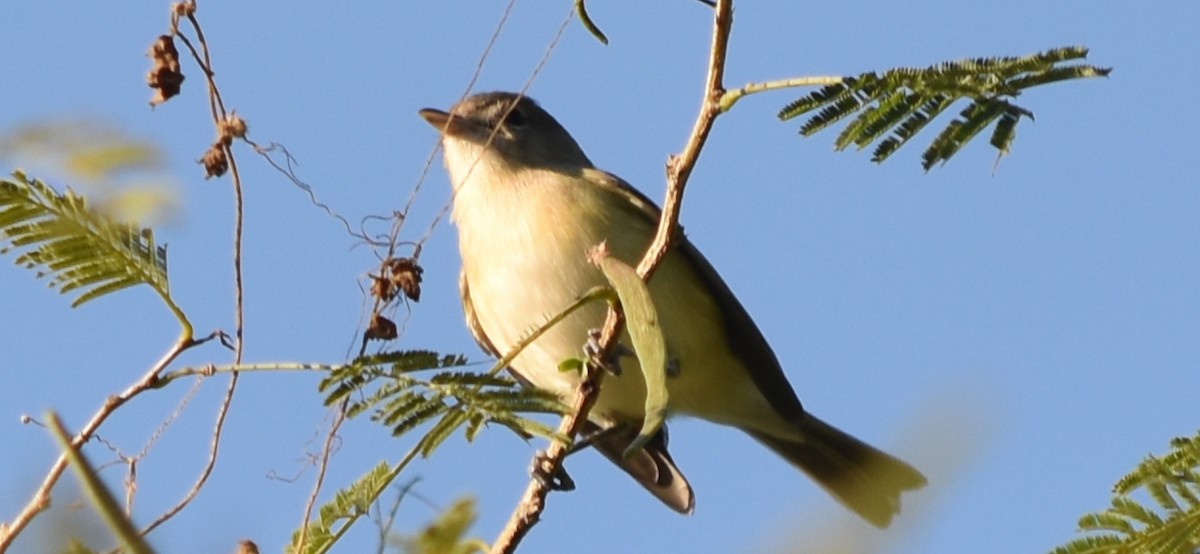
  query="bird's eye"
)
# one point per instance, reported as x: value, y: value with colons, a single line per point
x: 514, y: 119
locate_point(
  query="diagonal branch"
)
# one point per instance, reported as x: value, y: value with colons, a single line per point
x: 41, y: 498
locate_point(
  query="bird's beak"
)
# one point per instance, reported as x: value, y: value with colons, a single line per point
x: 451, y: 125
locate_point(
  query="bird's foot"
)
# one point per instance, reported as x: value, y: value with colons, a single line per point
x: 612, y: 362
x: 553, y: 479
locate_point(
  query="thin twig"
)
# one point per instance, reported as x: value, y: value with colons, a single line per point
x: 412, y: 197
x: 208, y: 370
x: 41, y: 497
x: 208, y: 465
x: 219, y: 116
x: 102, y: 499
x: 525, y: 87
x: 289, y: 171
x: 386, y: 524
x: 326, y: 450
x: 679, y: 168
x: 729, y: 98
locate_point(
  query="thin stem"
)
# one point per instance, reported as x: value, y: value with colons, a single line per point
x: 326, y: 451
x: 679, y: 167
x: 102, y: 499
x: 596, y: 293
x: 166, y: 378
x: 208, y: 464
x: 732, y: 96
x: 41, y: 497
x: 383, y: 483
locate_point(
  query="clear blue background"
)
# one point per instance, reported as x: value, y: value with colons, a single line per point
x: 1025, y: 336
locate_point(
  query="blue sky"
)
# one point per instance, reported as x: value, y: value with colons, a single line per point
x: 1025, y: 336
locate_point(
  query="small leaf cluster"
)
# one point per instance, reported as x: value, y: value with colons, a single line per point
x: 76, y: 246
x: 336, y: 516
x: 900, y: 102
x: 1173, y: 483
x: 394, y: 389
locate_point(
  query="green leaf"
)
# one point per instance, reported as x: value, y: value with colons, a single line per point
x: 335, y: 517
x: 77, y: 247
x: 575, y: 365
x: 390, y: 385
x: 1129, y: 527
x: 901, y: 101
x: 974, y: 119
x: 641, y: 321
x: 442, y: 430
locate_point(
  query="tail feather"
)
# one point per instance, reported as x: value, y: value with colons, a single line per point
x: 863, y: 478
x: 652, y: 466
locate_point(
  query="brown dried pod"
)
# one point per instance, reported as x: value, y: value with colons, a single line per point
x: 165, y: 77
x: 406, y: 276
x: 381, y: 328
x: 215, y: 161
x: 382, y: 288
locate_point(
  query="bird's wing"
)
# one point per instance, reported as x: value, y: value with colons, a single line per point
x: 481, y: 338
x: 652, y: 466
x: 743, y: 336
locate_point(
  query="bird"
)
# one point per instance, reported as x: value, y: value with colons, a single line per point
x: 528, y: 205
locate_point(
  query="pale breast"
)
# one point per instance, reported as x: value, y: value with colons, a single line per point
x: 525, y: 258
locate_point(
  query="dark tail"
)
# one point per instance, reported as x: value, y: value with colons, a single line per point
x: 652, y: 466
x: 865, y: 479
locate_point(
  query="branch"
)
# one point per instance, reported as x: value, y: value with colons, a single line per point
x: 41, y: 497
x: 101, y: 498
x: 679, y: 169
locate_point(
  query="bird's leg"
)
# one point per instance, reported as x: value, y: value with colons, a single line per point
x: 612, y: 362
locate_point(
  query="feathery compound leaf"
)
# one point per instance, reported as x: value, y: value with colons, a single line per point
x: 442, y: 430
x: 517, y: 400
x: 363, y: 370
x: 831, y: 114
x: 1131, y: 527
x: 390, y: 386
x: 406, y: 413
x: 77, y: 247
x: 1132, y: 510
x: 911, y: 126
x: 1095, y: 544
x: 820, y: 97
x: 974, y: 119
x: 888, y: 103
x: 878, y: 120
x: 336, y: 516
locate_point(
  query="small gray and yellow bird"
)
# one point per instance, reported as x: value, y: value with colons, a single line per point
x: 529, y: 204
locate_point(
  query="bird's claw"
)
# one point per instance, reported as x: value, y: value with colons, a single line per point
x: 553, y: 479
x: 612, y: 362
